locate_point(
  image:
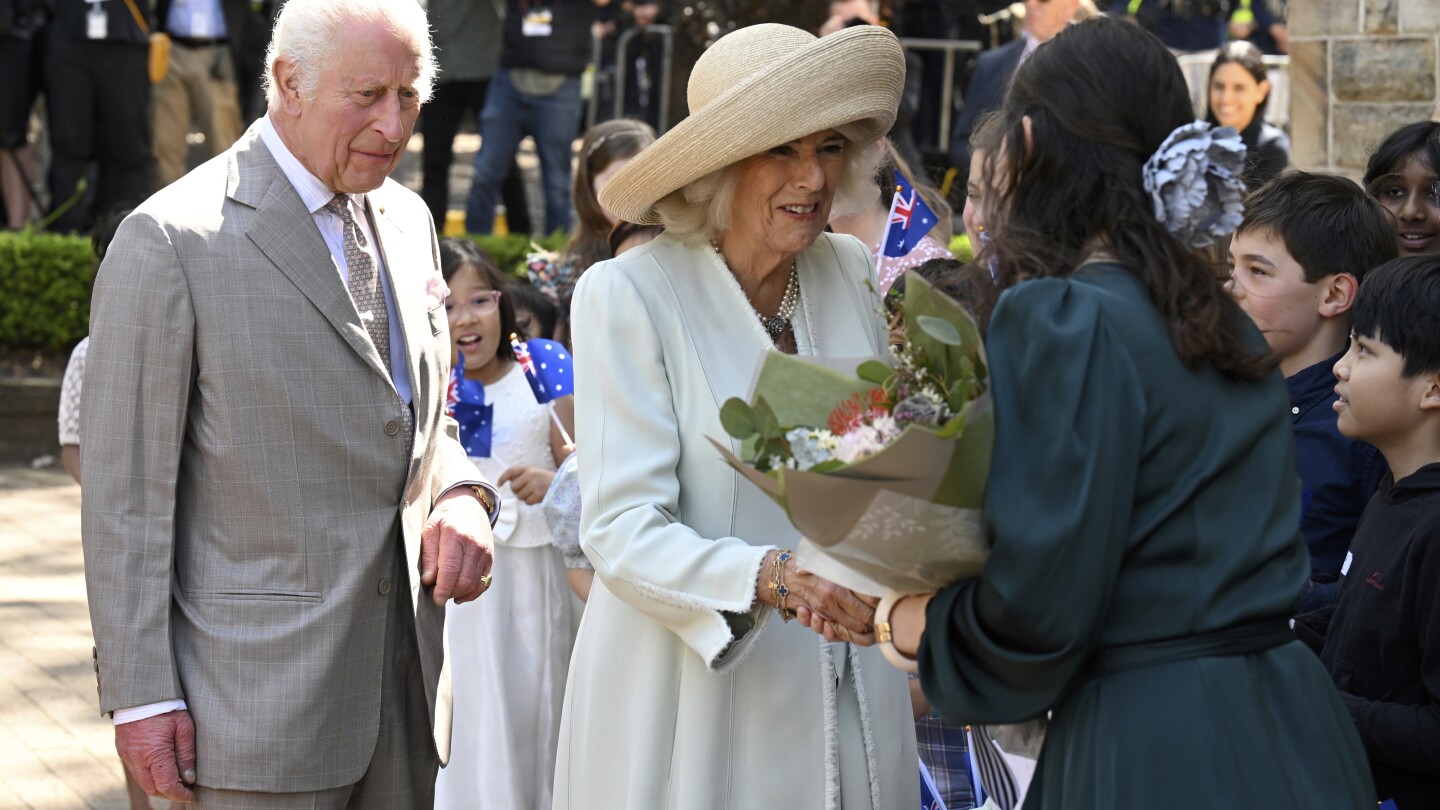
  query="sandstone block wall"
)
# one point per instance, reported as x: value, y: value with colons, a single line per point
x: 1358, y: 70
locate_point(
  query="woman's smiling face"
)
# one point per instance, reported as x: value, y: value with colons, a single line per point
x: 1411, y: 193
x: 783, y: 196
x: 1235, y: 95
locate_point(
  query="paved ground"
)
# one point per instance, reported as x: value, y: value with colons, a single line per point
x: 56, y: 751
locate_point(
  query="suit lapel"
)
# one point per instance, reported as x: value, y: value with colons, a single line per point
x: 404, y: 281
x: 285, y: 232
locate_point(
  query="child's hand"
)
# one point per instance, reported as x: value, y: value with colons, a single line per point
x: 528, y: 483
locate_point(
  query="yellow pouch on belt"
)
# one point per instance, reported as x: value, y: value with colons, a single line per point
x: 159, y: 63
x: 159, y: 56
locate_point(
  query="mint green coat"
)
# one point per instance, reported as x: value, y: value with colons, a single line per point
x: 682, y: 693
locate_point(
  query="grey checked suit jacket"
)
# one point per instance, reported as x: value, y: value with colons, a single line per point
x: 244, y: 479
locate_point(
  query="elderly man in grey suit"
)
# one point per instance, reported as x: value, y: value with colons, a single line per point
x: 276, y: 505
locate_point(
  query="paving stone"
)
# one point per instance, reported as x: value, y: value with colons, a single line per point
x: 57, y: 751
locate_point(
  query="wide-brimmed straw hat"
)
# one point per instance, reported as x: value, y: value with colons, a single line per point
x: 760, y: 87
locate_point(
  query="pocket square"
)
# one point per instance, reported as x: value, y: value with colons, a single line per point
x: 435, y: 292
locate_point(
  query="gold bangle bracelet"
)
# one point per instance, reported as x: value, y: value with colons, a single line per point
x: 777, y: 584
x: 885, y: 639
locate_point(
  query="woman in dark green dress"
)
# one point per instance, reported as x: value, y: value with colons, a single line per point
x: 1143, y: 502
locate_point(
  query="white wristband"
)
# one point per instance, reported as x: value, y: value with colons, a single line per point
x: 885, y: 639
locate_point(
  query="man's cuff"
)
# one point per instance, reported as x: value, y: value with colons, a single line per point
x: 123, y: 716
x: 494, y: 508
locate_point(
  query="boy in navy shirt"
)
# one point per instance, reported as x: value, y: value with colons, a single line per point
x: 1383, y: 646
x: 1298, y: 257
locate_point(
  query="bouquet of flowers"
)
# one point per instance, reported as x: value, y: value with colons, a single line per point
x: 880, y: 463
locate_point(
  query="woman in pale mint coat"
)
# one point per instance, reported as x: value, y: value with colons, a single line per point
x: 686, y: 689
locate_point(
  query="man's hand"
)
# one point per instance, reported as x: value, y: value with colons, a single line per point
x: 528, y: 483
x: 456, y: 548
x: 159, y: 752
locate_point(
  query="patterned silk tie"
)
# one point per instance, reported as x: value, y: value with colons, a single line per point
x: 369, y: 298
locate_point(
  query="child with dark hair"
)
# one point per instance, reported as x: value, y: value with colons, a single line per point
x: 1383, y: 648
x: 1298, y: 257
x: 536, y: 314
x: 510, y: 691
x: 1404, y: 175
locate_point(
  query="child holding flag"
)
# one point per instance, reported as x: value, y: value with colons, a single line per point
x: 509, y: 656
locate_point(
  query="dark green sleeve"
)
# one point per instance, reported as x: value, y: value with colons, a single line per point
x: 1069, y: 414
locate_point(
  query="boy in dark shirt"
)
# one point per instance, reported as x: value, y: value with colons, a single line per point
x: 1383, y: 647
x: 1299, y: 255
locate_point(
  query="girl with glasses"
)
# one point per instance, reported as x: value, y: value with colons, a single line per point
x: 509, y: 657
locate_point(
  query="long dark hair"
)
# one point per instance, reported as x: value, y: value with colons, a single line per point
x: 1101, y: 98
x: 455, y: 253
x: 602, y: 145
x: 1246, y: 55
x: 1421, y: 138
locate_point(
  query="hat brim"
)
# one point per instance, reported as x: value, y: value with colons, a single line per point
x: 850, y: 81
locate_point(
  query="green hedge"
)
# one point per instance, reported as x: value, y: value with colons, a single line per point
x: 509, y: 251
x: 44, y: 289
x: 45, y: 282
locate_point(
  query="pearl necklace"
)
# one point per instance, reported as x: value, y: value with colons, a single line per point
x: 776, y: 324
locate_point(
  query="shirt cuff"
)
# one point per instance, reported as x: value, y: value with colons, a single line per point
x: 494, y: 511
x: 123, y: 716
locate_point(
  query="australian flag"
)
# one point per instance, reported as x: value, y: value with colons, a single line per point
x: 548, y: 366
x: 465, y: 400
x: 910, y: 219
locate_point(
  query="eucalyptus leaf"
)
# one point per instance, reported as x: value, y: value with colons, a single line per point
x: 738, y: 419
x: 765, y: 422
x: 873, y: 371
x: 941, y: 330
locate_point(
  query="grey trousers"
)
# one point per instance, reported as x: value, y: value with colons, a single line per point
x: 402, y: 770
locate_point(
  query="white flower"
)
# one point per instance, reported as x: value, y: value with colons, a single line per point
x: 1194, y: 183
x: 864, y: 441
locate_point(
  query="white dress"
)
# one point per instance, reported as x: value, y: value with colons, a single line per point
x: 509, y: 650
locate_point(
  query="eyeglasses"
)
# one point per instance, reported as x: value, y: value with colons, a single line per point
x: 484, y: 302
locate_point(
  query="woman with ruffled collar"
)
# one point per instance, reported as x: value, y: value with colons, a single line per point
x: 1142, y: 502
x: 689, y: 686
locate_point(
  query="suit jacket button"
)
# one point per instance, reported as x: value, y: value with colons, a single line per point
x: 384, y: 587
x: 392, y: 427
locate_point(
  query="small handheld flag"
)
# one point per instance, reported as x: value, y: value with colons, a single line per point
x: 910, y: 220
x: 550, y: 370
x: 465, y: 400
x: 548, y: 366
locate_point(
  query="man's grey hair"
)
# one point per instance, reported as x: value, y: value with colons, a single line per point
x: 308, y: 35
